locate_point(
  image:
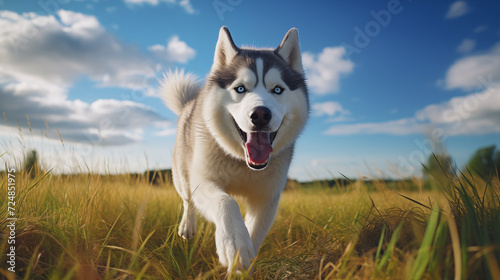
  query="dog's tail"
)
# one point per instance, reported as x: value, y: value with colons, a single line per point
x: 178, y: 88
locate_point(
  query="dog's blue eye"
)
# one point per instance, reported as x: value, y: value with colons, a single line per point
x: 278, y: 90
x: 240, y: 89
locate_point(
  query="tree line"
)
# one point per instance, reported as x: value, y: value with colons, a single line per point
x: 485, y: 163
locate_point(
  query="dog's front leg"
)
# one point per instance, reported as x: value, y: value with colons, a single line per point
x: 231, y: 234
x: 259, y: 218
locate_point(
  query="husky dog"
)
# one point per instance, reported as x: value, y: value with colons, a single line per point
x: 235, y: 137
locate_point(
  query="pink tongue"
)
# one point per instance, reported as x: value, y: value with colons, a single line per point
x: 258, y: 147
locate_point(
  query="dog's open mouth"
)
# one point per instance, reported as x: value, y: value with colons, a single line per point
x: 258, y: 147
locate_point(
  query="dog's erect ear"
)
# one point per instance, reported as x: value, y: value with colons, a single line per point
x: 289, y: 50
x: 225, y: 49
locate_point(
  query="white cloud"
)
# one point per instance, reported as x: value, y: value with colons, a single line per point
x: 457, y: 9
x: 60, y: 51
x: 466, y: 46
x: 42, y: 56
x: 102, y: 122
x: 149, y: 2
x: 141, y: 2
x: 77, y: 22
x: 111, y: 9
x: 78, y: 157
x: 480, y: 28
x: 320, y: 162
x: 175, y: 51
x: 63, y: 48
x: 166, y: 132
x: 329, y: 108
x: 395, y: 127
x: 473, y: 114
x: 324, y: 70
x: 476, y: 113
x: 474, y: 71
x: 185, y: 4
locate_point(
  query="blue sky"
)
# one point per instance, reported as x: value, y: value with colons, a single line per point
x: 388, y: 80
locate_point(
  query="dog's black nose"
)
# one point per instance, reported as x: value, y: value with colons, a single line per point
x: 261, y: 116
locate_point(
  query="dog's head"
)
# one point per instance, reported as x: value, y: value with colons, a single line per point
x: 257, y: 101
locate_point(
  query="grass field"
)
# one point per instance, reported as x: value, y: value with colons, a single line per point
x: 93, y: 226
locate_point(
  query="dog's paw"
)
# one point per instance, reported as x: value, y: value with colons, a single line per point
x: 187, y: 227
x: 232, y: 243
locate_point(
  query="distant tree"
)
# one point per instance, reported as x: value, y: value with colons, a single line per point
x: 497, y: 163
x: 483, y: 163
x: 159, y: 176
x: 31, y: 165
x: 438, y: 166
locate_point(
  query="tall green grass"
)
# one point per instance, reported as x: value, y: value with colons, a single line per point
x: 91, y: 226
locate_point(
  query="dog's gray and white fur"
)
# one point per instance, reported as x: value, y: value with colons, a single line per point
x: 235, y: 137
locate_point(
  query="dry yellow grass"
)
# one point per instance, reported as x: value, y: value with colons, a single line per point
x: 93, y: 226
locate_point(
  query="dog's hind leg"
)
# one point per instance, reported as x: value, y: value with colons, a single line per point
x: 187, y: 227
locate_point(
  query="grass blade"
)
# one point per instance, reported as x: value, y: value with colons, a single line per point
x: 424, y: 253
